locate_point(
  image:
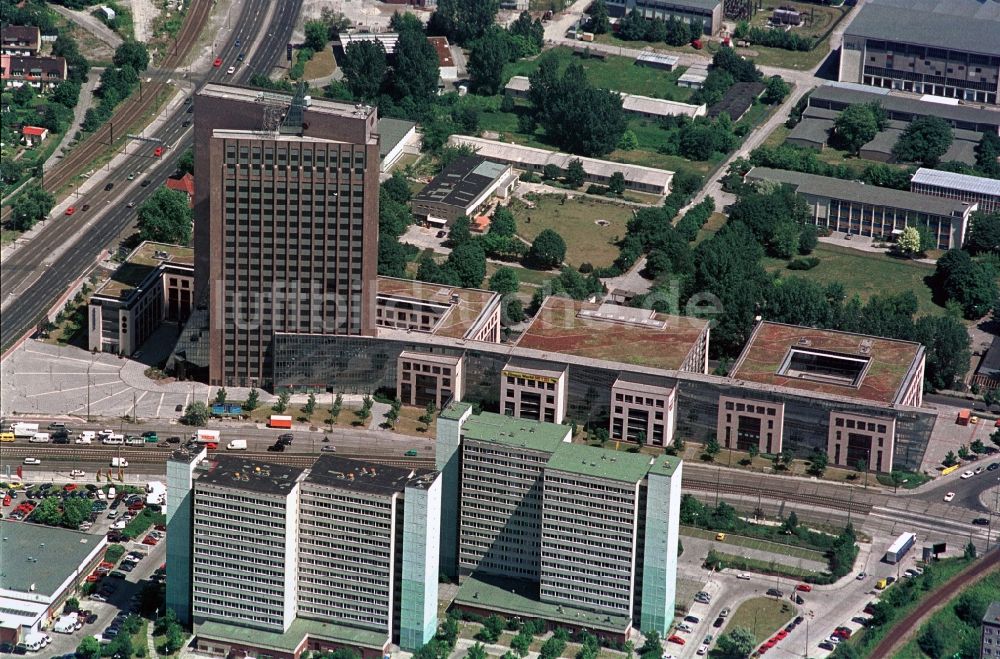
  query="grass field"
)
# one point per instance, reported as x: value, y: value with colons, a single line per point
x: 322, y: 64
x: 576, y: 222
x: 818, y: 20
x: 765, y: 567
x: 763, y: 616
x: 959, y: 637
x: 865, y: 273
x: 618, y: 73
x: 754, y: 543
x: 715, y: 222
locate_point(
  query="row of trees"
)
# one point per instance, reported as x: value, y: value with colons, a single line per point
x: 800, y: 159
x: 394, y: 217
x: 634, y: 27
x: 117, y: 82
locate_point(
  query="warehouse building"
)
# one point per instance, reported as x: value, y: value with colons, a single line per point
x: 599, y: 172
x: 345, y: 555
x: 706, y: 14
x: 43, y: 566
x: 978, y: 190
x: 154, y: 285
x: 464, y: 187
x: 946, y: 48
x: 868, y: 210
x: 577, y: 536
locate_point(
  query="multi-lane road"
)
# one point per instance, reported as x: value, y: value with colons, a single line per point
x: 39, y: 272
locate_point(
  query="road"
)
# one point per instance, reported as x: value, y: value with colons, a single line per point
x: 32, y: 283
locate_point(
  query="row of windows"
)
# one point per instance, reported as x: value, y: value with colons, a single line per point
x: 639, y: 400
x: 840, y: 422
x: 753, y: 409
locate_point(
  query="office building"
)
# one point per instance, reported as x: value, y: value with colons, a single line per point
x: 464, y: 187
x: 344, y: 554
x: 599, y: 172
x: 828, y: 362
x: 154, y: 285
x: 869, y: 210
x: 533, y: 390
x: 946, y: 48
x: 978, y: 190
x: 395, y: 136
x: 43, y: 566
x: 24, y: 40
x: 573, y: 535
x: 704, y: 14
x: 286, y: 223
x: 990, y: 646
x: 643, y: 410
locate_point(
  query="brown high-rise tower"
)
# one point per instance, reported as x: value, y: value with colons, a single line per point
x: 286, y: 223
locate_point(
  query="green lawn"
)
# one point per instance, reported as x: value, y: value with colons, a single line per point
x: 754, y: 543
x: 621, y: 74
x: 576, y: 221
x: 865, y: 273
x: 763, y: 616
x: 715, y: 222
x: 739, y: 562
x: 959, y: 637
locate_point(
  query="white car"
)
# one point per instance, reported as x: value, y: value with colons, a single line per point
x: 32, y: 461
x: 703, y: 649
x: 97, y: 597
x: 834, y: 639
x: 77, y: 473
x: 744, y: 576
x: 980, y: 469
x: 684, y: 627
x: 949, y: 496
x: 967, y: 474
x: 231, y: 70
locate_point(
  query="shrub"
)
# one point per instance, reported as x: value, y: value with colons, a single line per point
x: 803, y: 264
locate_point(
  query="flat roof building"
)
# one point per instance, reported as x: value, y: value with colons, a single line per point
x: 826, y: 362
x: 286, y: 223
x: 155, y: 284
x: 591, y: 531
x: 617, y: 333
x: 869, y: 210
x: 946, y: 48
x: 395, y: 135
x: 984, y: 192
x: 705, y: 14
x: 344, y: 554
x: 43, y: 566
x: 464, y: 187
x: 527, y: 158
x: 466, y: 313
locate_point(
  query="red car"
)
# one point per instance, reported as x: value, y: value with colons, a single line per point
x: 69, y: 487
x: 71, y: 210
x: 781, y: 635
x: 804, y: 587
x: 158, y: 151
x: 676, y: 639
x: 842, y: 632
x: 211, y: 446
x: 217, y: 63
x: 149, y: 540
x: 93, y: 578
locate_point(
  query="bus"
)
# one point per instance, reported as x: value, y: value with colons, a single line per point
x: 899, y: 548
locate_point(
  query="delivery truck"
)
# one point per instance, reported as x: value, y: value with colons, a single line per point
x: 280, y: 421
x: 119, y: 462
x: 24, y: 429
x: 206, y: 436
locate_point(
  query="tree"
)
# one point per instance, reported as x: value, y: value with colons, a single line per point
x: 186, y: 163
x: 970, y: 551
x: 132, y: 53
x: 502, y: 223
x: 487, y: 58
x: 165, y: 217
x: 736, y: 644
x: 931, y: 641
x: 427, y: 418
x: 988, y: 155
x: 792, y: 522
x: 364, y: 66
x: 924, y: 140
x: 857, y: 125
x: 463, y: 21
x: 984, y: 233
x: 972, y: 284
x: 281, y: 404
x: 72, y: 604
x: 317, y: 34
x: 629, y: 141
x: 310, y: 405
x: 818, y: 463
x: 808, y: 239
x: 600, y: 21
x: 253, y: 399
x: 653, y: 647
x: 776, y: 91
x: 220, y: 396
x: 712, y: 448
x: 460, y: 231
x: 335, y: 407
x: 32, y: 205
x: 477, y: 651
x: 551, y: 172
x: 950, y: 460
x: 196, y: 414
x: 548, y: 250
x: 504, y: 280
x: 909, y: 241
x: 89, y: 648
x: 742, y: 70
x: 493, y: 626
x: 616, y: 185
x: 575, y: 175
x: 415, y: 74
x: 468, y: 262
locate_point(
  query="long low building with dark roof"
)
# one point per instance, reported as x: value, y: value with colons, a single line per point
x: 869, y: 210
x: 944, y: 48
x: 462, y: 188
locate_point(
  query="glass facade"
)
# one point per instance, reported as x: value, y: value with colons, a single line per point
x: 421, y: 538
x: 659, y: 556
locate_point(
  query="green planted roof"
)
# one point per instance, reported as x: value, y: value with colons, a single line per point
x: 454, y: 411
x: 601, y: 463
x: 666, y: 465
x: 292, y: 639
x: 500, y: 429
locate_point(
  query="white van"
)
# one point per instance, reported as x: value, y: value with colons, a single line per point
x: 86, y: 437
x: 40, y: 438
x: 113, y: 438
x: 112, y: 493
x: 237, y: 445
x: 34, y: 642
x: 119, y: 462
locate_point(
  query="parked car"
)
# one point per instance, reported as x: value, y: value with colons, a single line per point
x: 981, y: 521
x: 967, y: 474
x: 774, y: 592
x: 32, y: 461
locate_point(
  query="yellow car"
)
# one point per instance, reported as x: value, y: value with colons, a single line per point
x: 6, y: 437
x: 720, y: 536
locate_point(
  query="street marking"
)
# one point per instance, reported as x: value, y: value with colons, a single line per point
x: 62, y: 391
x: 159, y: 405
x: 70, y: 359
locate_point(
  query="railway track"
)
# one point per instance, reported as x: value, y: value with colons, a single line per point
x: 765, y: 494
x: 131, y: 110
